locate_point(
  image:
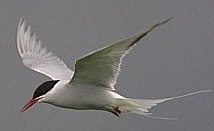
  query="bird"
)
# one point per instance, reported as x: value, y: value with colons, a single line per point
x: 91, y: 86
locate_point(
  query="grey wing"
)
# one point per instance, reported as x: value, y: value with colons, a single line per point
x: 36, y: 57
x: 102, y: 67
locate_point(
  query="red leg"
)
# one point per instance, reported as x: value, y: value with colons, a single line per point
x: 116, y: 111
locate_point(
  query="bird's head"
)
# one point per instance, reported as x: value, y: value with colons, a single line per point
x: 39, y: 94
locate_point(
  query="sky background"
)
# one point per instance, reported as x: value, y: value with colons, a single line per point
x: 175, y: 59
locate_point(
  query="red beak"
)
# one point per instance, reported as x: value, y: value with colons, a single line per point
x: 29, y: 104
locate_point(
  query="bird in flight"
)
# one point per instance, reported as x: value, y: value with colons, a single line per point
x: 91, y: 85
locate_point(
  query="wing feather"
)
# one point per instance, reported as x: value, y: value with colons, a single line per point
x: 102, y: 67
x: 37, y: 58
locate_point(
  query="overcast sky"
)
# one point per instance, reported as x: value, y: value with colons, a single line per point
x: 175, y: 59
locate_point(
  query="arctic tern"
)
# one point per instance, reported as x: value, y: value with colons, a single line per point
x: 91, y: 85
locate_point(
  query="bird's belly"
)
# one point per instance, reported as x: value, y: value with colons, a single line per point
x: 83, y: 99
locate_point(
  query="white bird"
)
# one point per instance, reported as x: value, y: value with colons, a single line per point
x: 91, y: 85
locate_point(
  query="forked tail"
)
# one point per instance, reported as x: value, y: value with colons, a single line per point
x: 142, y: 106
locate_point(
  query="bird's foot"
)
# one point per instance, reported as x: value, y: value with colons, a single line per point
x: 116, y: 111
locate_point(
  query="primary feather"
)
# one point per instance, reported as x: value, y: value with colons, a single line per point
x: 36, y: 57
x: 102, y: 67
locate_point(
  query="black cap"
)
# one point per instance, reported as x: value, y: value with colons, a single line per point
x: 44, y: 88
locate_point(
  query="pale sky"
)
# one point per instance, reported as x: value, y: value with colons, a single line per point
x: 175, y: 59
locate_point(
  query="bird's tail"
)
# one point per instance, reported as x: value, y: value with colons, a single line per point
x: 142, y: 106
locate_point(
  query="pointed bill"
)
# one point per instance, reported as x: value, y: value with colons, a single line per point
x: 29, y: 104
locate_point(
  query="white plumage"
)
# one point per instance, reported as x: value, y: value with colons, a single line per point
x: 37, y: 58
x: 91, y: 85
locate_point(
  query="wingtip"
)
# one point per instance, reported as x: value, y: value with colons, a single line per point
x: 167, y: 20
x: 162, y: 23
x: 21, y: 19
x: 159, y: 24
x: 22, y: 23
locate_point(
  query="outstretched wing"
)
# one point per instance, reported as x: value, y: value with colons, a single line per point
x: 102, y: 67
x: 37, y: 58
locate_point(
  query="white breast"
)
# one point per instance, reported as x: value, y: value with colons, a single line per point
x: 79, y: 97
